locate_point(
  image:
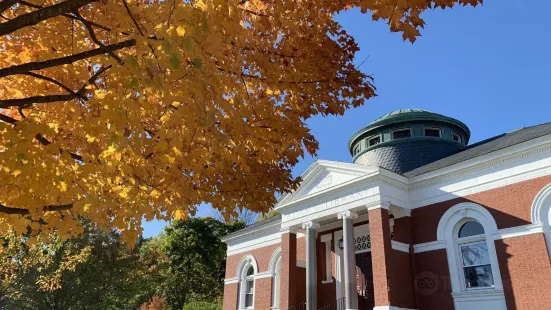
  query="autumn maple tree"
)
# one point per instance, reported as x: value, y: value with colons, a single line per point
x: 120, y: 110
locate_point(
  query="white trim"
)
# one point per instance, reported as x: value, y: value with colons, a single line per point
x: 541, y: 214
x: 327, y: 240
x: 429, y: 246
x: 518, y: 231
x: 244, y: 264
x: 276, y: 255
x: 390, y: 308
x: 447, y: 231
x: 301, y: 263
x: 399, y: 246
x: 231, y: 281
x: 263, y: 275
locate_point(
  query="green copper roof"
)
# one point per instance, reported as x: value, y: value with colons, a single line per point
x: 408, y: 115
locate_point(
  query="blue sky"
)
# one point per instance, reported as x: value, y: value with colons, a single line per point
x: 489, y: 67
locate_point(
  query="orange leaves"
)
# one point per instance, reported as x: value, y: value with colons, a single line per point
x: 196, y: 102
x: 404, y: 15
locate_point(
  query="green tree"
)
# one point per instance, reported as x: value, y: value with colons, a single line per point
x: 94, y: 271
x: 196, y: 260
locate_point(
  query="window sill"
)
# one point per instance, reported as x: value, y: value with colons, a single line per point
x: 482, y: 294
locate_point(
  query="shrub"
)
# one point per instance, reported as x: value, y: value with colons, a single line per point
x: 156, y: 303
x: 203, y: 305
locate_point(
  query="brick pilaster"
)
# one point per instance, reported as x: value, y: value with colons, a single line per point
x: 381, y: 247
x: 288, y: 275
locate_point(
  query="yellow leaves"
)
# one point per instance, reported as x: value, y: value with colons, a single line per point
x: 155, y: 193
x: 90, y: 138
x: 180, y: 215
x: 62, y: 186
x: 16, y: 172
x: 181, y: 31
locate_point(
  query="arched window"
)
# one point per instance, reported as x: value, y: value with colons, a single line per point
x: 276, y: 284
x: 246, y: 273
x: 466, y: 229
x: 474, y: 256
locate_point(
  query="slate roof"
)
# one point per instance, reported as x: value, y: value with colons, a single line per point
x: 484, y: 147
x: 403, y: 155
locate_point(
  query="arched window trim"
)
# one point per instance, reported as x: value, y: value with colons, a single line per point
x: 274, y: 268
x: 541, y: 214
x: 241, y: 274
x: 448, y: 229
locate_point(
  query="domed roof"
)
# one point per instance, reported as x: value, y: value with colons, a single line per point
x: 408, y: 115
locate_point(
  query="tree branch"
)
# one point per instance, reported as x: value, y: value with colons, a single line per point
x: 38, y: 65
x: 39, y: 137
x: 94, y: 38
x: 45, y: 78
x: 6, y: 4
x: 37, y: 16
x: 11, y: 210
x: 26, y: 102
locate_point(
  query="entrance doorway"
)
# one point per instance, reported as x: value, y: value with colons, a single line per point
x: 364, y: 281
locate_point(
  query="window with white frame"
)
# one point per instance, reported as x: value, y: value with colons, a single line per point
x: 474, y: 256
x: 249, y: 288
x: 246, y: 274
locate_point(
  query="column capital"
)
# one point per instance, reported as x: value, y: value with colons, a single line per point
x: 311, y: 225
x: 289, y: 230
x: 348, y: 215
x: 378, y: 205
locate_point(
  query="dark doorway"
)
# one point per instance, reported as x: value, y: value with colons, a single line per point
x: 364, y: 281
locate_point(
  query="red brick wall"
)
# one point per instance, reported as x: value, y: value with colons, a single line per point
x: 431, y: 281
x: 401, y: 283
x: 261, y: 255
x: 509, y: 205
x: 379, y: 229
x: 263, y: 294
x: 525, y: 272
x: 230, y: 296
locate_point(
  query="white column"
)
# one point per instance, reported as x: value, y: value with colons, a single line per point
x: 350, y: 293
x: 311, y: 265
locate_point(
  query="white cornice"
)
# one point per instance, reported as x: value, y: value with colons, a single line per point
x: 483, y: 162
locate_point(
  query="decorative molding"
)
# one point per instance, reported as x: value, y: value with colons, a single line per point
x: 276, y: 255
x: 399, y: 246
x: 262, y: 275
x: 399, y: 212
x: 518, y: 231
x: 310, y: 225
x: 245, y: 261
x: 379, y: 205
x: 347, y: 215
x: 429, y: 246
x: 289, y: 230
x: 231, y: 281
x: 490, y: 163
x: 326, y: 238
x: 541, y: 214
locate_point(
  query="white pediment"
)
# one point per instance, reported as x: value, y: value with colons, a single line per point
x: 323, y: 175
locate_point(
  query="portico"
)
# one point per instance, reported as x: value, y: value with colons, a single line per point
x: 358, y: 205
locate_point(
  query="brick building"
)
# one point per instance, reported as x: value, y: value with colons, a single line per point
x: 419, y: 220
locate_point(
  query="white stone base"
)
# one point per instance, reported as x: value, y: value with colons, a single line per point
x: 480, y: 300
x: 390, y: 308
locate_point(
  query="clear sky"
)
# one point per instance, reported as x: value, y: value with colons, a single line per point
x: 489, y: 67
